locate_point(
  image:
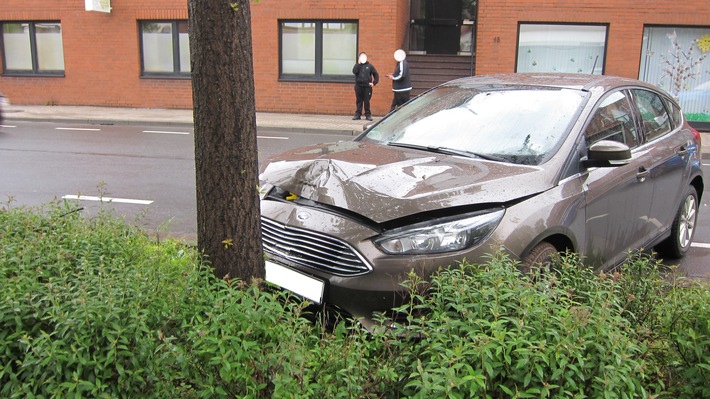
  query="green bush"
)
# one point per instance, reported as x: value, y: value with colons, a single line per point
x: 671, y: 316
x: 92, y: 307
x: 86, y: 304
x: 486, y: 331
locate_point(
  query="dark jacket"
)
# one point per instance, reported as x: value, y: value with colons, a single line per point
x: 400, y: 78
x: 365, y: 73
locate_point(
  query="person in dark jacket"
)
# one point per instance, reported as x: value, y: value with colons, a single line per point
x: 366, y: 78
x: 401, y: 82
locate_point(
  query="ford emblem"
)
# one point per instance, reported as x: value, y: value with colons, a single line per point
x: 303, y: 216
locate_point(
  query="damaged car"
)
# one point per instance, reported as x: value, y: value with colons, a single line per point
x: 528, y: 164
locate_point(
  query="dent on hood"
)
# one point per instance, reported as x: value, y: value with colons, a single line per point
x: 320, y: 180
x: 383, y: 183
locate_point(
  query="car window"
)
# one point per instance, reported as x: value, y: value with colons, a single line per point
x: 613, y: 121
x: 675, y: 114
x: 523, y: 126
x: 654, y: 116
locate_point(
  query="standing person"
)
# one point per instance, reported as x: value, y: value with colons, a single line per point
x: 366, y: 78
x: 401, y: 82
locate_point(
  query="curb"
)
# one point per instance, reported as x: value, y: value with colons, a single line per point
x: 350, y: 132
x: 346, y: 131
x: 123, y: 122
x: 107, y: 122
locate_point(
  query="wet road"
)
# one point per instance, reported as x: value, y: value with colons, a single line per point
x: 148, y: 172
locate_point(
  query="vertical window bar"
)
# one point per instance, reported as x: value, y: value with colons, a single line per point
x: 319, y: 49
x: 33, y: 47
x: 176, y: 48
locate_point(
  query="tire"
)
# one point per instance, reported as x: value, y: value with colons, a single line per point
x: 539, y: 257
x: 683, y: 227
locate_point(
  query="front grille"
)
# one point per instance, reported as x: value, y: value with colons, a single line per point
x: 311, y: 249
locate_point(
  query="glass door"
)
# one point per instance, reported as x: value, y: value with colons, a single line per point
x: 442, y: 26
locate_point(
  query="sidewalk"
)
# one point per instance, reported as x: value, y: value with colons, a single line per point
x: 305, y: 123
x: 166, y: 117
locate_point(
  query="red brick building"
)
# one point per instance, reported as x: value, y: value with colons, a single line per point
x: 137, y: 55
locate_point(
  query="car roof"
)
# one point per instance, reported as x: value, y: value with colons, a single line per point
x: 559, y: 80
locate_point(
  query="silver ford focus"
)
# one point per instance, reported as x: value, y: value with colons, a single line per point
x: 531, y: 165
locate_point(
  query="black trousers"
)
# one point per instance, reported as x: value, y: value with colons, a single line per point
x: 362, y: 97
x: 400, y: 97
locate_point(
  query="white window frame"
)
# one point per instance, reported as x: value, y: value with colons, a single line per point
x: 564, y: 48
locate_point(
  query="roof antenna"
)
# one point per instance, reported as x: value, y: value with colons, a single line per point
x: 595, y: 65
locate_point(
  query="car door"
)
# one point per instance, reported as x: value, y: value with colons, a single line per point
x: 669, y: 149
x: 618, y: 198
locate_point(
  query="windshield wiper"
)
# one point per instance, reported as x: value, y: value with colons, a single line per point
x: 469, y: 154
x: 447, y: 151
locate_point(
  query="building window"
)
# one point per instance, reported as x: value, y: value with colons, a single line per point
x: 561, y: 48
x: 165, y: 49
x: 317, y: 50
x: 32, y: 48
x: 678, y: 60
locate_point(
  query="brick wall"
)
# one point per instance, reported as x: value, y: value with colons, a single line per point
x: 498, y: 27
x: 102, y: 54
x: 381, y: 29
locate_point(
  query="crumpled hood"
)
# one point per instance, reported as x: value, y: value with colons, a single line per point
x: 383, y: 182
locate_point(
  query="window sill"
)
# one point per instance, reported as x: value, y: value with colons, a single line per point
x: 312, y: 79
x: 167, y: 77
x: 16, y: 74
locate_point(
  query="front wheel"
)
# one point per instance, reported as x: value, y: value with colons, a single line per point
x: 539, y: 257
x: 683, y: 227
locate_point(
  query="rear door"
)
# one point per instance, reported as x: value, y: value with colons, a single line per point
x: 669, y: 146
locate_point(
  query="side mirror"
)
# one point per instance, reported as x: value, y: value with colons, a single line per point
x: 607, y: 153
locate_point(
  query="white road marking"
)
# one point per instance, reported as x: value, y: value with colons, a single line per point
x: 167, y: 132
x: 163, y: 132
x: 78, y: 128
x: 8, y: 126
x: 108, y: 199
x: 700, y: 245
x: 272, y: 137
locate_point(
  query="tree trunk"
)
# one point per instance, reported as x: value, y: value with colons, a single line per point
x: 226, y: 161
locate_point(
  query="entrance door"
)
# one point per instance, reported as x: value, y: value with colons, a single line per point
x: 443, y: 31
x: 442, y: 26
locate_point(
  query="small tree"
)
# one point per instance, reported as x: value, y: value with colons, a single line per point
x: 226, y: 161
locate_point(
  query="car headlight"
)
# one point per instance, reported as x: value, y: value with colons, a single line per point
x: 443, y: 235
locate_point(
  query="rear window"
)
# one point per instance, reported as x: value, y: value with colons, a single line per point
x: 524, y: 126
x: 676, y: 114
x: 654, y: 115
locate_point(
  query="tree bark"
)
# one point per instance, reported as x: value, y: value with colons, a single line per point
x: 226, y: 160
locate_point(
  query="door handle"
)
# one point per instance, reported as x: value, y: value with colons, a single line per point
x: 682, y: 150
x: 642, y: 174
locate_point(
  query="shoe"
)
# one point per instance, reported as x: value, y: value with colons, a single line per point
x: 369, y: 118
x: 356, y: 117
